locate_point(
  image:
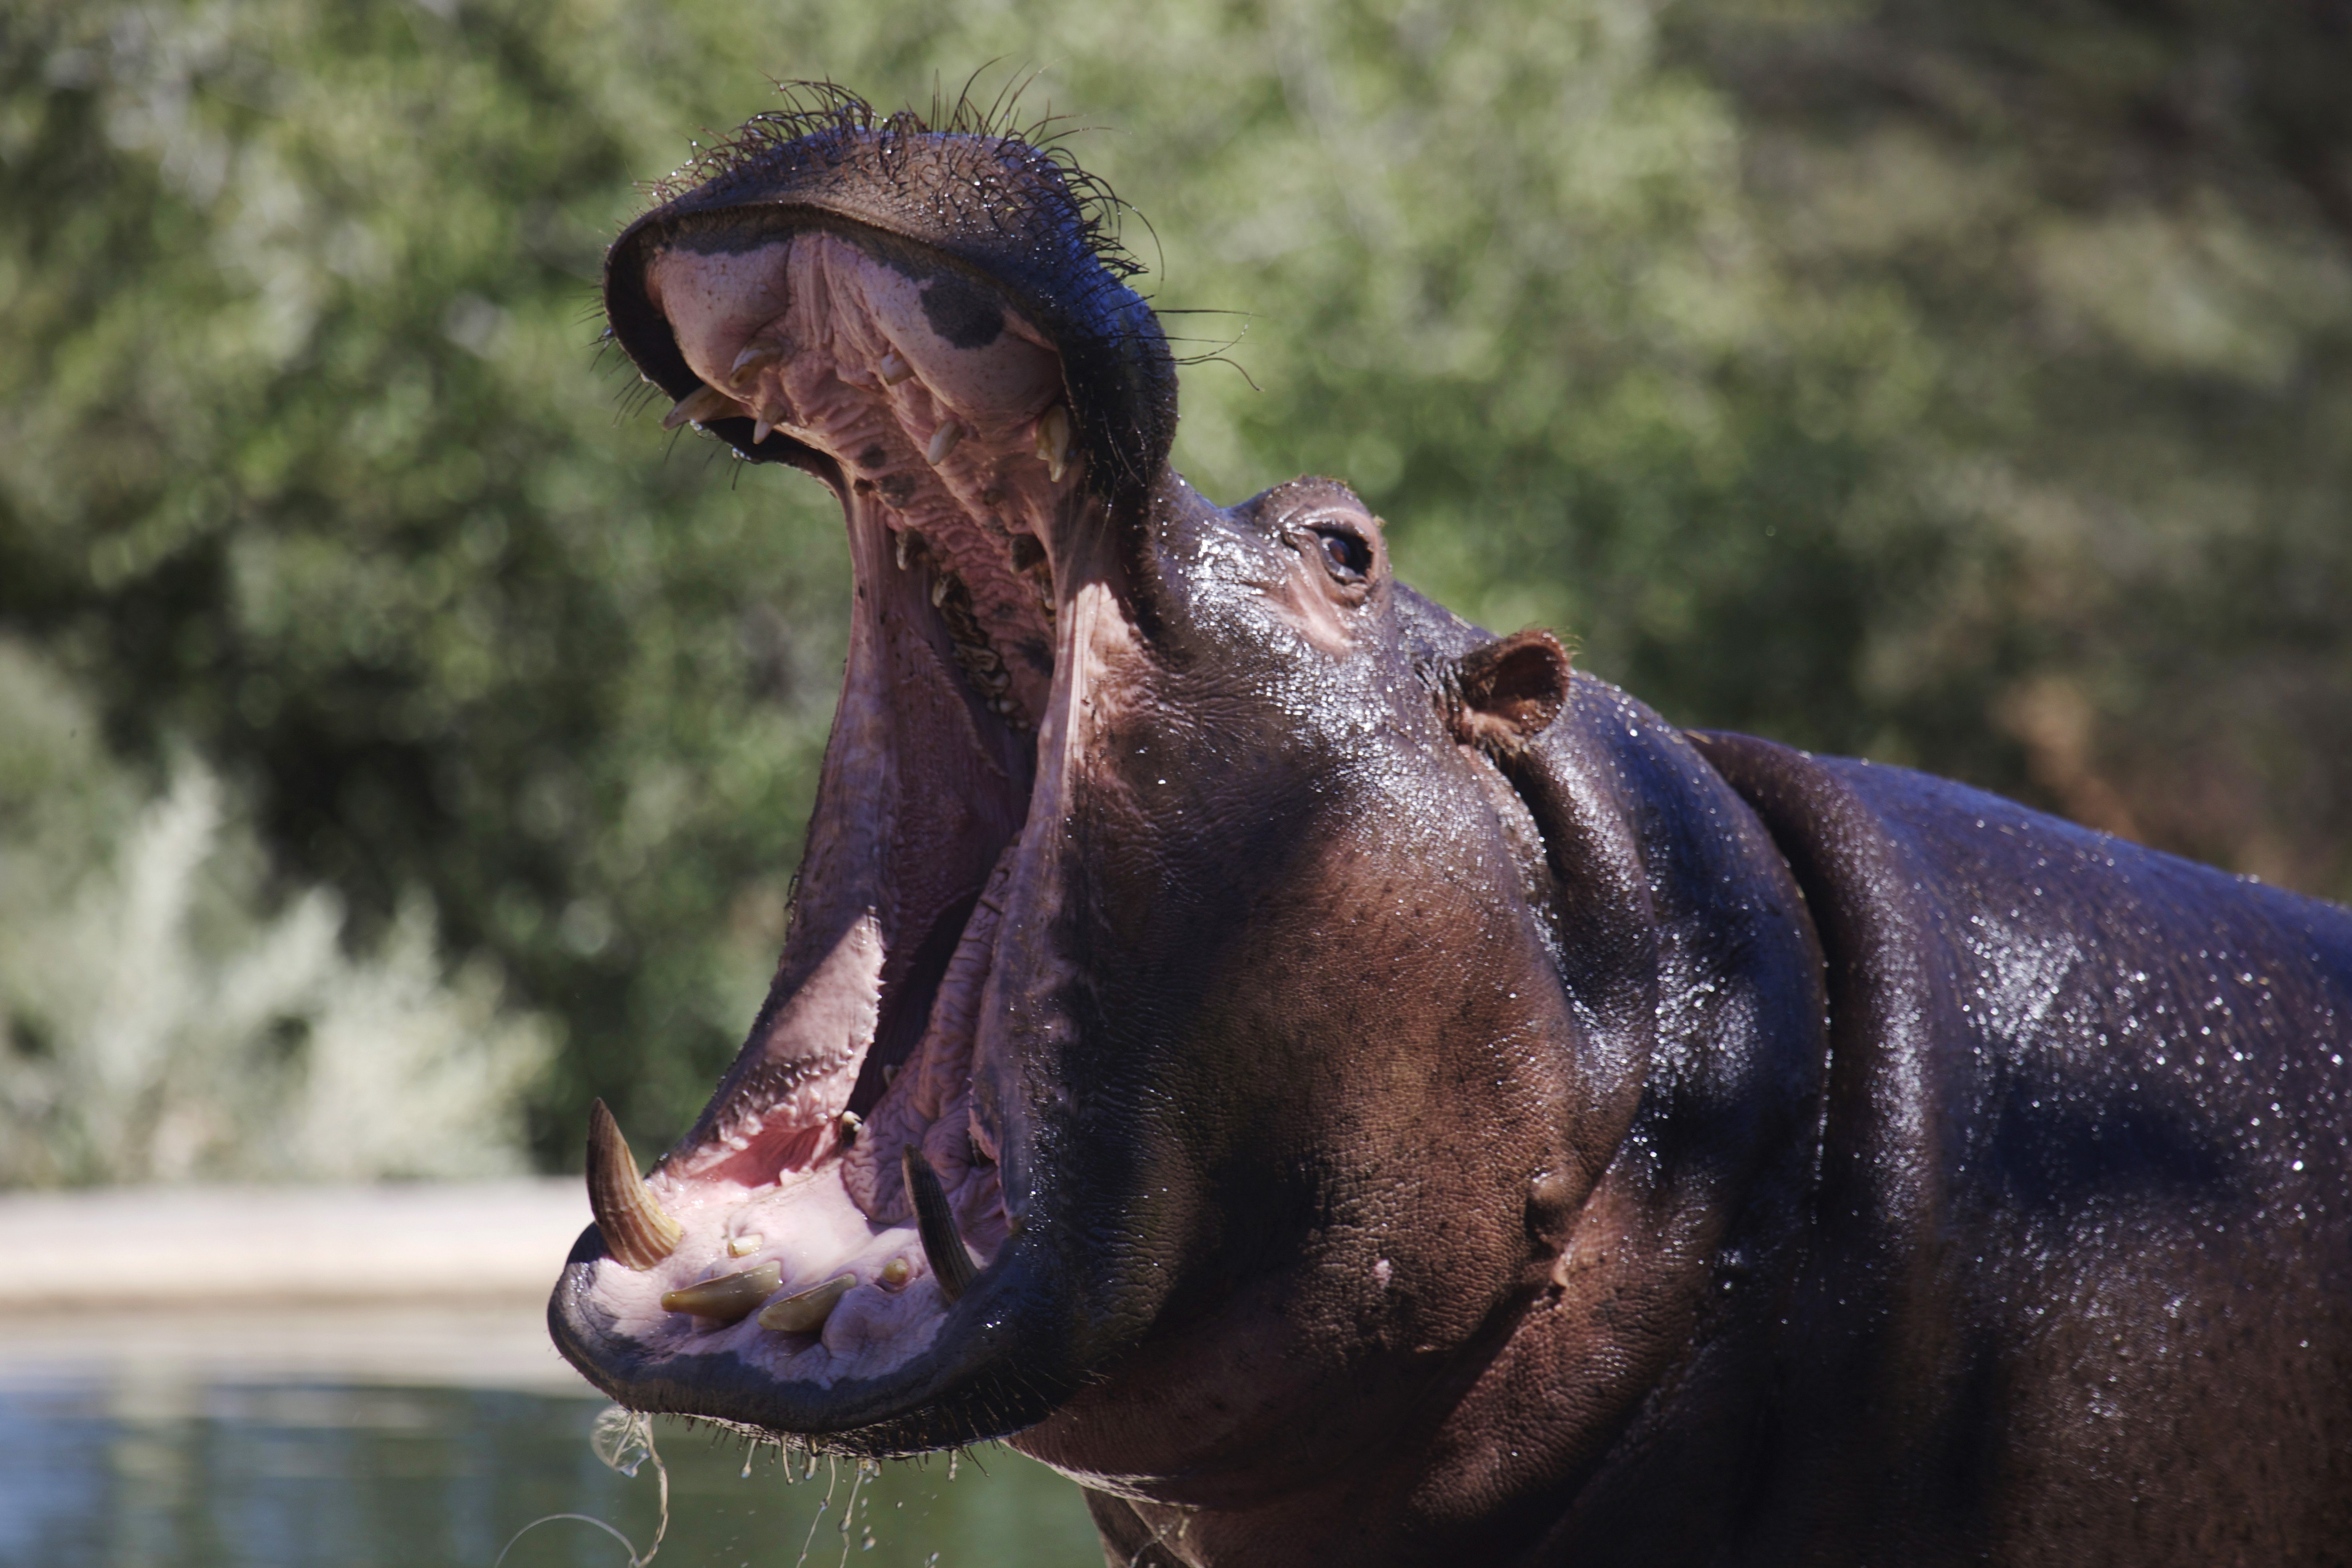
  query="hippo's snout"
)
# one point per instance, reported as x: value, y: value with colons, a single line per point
x: 927, y: 323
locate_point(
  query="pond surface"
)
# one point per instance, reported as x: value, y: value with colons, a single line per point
x: 344, y: 1377
x: 154, y: 1470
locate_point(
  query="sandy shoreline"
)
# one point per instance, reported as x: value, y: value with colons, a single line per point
x: 416, y: 1283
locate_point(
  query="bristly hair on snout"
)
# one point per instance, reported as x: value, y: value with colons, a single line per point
x: 821, y: 120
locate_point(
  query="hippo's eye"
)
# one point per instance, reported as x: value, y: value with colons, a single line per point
x: 1345, y: 552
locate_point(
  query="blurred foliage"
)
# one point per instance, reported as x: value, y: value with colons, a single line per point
x: 1966, y: 385
x: 162, y: 1026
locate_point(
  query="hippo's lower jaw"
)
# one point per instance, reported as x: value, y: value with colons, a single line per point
x: 775, y: 1270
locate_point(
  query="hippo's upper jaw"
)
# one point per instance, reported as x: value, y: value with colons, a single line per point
x: 926, y: 323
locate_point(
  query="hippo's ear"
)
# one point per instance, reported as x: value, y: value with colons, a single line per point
x: 1503, y: 692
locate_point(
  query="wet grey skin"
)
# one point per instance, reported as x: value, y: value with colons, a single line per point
x: 1345, y: 1087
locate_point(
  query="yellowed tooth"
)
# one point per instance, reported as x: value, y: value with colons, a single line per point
x: 760, y: 431
x: 895, y: 1273
x: 635, y: 1230
x: 943, y: 441
x: 807, y: 1312
x: 1054, y: 441
x: 845, y: 1126
x: 939, y: 591
x: 893, y: 369
x: 745, y: 1245
x: 751, y: 361
x: 701, y: 405
x: 730, y: 1298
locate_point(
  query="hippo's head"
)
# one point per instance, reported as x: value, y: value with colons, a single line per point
x: 1171, y: 1045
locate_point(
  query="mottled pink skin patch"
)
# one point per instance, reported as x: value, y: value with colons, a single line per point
x: 862, y: 374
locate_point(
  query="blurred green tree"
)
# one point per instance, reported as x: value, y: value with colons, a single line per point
x: 1967, y: 387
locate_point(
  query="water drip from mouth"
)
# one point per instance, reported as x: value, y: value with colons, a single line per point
x: 623, y: 1440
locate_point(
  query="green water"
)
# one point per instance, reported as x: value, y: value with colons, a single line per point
x: 119, y: 1473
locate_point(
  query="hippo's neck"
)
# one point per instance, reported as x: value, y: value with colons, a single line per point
x: 1600, y: 1416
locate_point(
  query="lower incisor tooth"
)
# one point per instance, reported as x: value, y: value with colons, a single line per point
x: 743, y: 1246
x: 894, y: 369
x: 730, y: 1298
x: 805, y: 1314
x: 943, y: 441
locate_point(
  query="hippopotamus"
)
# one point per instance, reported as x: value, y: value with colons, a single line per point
x: 1345, y: 1086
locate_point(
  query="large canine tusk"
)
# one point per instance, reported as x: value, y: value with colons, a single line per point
x: 935, y: 1222
x: 635, y: 1229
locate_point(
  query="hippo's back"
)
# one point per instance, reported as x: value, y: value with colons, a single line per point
x: 2138, y: 1031
x: 2084, y: 1269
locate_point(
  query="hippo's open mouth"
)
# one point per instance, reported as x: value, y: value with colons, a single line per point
x: 838, y: 1246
